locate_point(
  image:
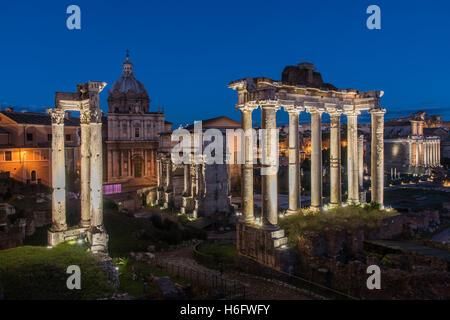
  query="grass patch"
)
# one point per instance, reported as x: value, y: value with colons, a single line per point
x: 133, y: 274
x: 39, y: 273
x: 217, y: 257
x: 339, y: 218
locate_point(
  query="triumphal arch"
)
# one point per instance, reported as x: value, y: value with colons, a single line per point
x: 302, y: 90
x: 85, y: 101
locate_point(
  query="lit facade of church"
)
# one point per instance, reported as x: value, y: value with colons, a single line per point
x: 133, y: 132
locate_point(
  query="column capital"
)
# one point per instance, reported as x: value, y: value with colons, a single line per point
x: 377, y: 111
x: 293, y: 109
x: 270, y: 104
x: 248, y: 107
x: 57, y: 115
x: 85, y: 116
x: 315, y: 110
x: 352, y: 113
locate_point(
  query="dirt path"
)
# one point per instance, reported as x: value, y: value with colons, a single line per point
x: 256, y: 288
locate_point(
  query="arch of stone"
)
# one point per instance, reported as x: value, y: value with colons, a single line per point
x: 263, y: 242
x: 85, y: 101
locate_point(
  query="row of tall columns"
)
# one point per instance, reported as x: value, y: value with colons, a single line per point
x: 91, y: 171
x: 423, y: 152
x: 354, y: 161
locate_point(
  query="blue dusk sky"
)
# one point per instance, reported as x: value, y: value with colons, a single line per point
x: 186, y: 52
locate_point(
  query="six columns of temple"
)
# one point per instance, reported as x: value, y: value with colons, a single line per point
x: 269, y: 153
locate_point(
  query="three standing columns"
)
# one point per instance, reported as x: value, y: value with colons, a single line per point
x: 247, y: 168
x: 269, y: 171
x: 377, y: 160
x: 316, y: 159
x: 335, y: 159
x: 352, y: 157
x: 294, y: 165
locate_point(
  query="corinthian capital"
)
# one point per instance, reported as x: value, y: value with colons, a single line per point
x: 56, y: 115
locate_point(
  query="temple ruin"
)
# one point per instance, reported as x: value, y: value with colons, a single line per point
x: 85, y: 101
x: 302, y: 90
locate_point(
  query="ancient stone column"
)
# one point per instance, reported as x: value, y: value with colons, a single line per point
x: 352, y: 156
x: 159, y: 180
x: 58, y: 171
x: 438, y: 153
x: 316, y: 159
x: 270, y: 166
x: 335, y: 159
x: 377, y: 157
x: 247, y: 167
x: 168, y: 190
x: 417, y: 153
x: 294, y: 167
x: 410, y: 153
x: 187, y: 188
x: 85, y: 119
x: 96, y: 172
x: 426, y: 162
x: 361, y: 162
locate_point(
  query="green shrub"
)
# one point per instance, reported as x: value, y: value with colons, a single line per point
x: 339, y: 218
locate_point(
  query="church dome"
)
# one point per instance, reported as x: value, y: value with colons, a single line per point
x: 127, y: 85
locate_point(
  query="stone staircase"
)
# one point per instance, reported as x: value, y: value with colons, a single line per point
x: 279, y: 238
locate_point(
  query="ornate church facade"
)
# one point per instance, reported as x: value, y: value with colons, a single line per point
x: 133, y: 132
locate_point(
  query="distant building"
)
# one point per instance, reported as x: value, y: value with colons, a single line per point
x: 413, y: 144
x: 25, y: 146
x: 133, y: 133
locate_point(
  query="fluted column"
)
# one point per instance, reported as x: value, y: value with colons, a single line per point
x: 316, y: 159
x: 335, y: 159
x: 377, y: 157
x: 417, y: 153
x: 294, y: 167
x: 352, y: 156
x: 85, y: 119
x: 58, y: 171
x: 96, y: 173
x: 270, y: 166
x: 247, y: 167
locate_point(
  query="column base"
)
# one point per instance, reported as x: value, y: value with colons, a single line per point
x: 314, y: 208
x: 98, y: 240
x: 260, y: 244
x: 291, y: 211
x: 56, y: 237
x: 167, y: 199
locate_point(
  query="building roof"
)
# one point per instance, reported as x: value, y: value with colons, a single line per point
x: 222, y: 122
x: 37, y: 118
